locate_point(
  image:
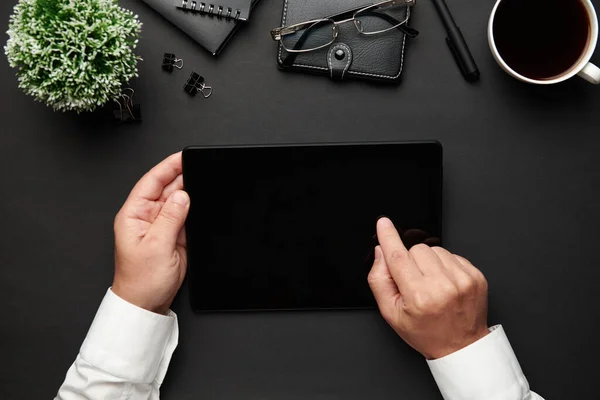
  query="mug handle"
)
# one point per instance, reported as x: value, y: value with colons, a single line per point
x: 590, y: 73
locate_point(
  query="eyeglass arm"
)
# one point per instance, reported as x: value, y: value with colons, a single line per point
x: 282, y: 31
x: 348, y: 13
x: 389, y: 3
x: 407, y: 30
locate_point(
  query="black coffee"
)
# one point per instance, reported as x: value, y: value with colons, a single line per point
x: 541, y: 39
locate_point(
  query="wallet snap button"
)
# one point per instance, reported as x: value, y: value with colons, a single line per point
x: 339, y: 59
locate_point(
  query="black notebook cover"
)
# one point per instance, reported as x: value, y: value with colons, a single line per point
x: 229, y: 9
x: 209, y: 31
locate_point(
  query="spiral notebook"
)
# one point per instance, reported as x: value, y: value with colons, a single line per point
x: 211, y: 32
x: 228, y: 9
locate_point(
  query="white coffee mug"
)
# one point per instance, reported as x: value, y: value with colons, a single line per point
x: 584, y: 68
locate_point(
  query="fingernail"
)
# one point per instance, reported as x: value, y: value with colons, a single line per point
x: 378, y: 253
x: 382, y: 216
x: 181, y: 198
x: 384, y: 222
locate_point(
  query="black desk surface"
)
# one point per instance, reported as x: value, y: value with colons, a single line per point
x: 521, y: 201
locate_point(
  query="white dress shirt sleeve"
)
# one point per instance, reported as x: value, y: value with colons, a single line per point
x: 125, y: 355
x: 485, y: 370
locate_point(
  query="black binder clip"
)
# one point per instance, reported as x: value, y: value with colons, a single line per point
x: 195, y: 84
x: 125, y: 110
x: 170, y: 61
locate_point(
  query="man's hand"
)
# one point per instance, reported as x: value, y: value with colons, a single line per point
x: 435, y: 300
x: 150, y: 250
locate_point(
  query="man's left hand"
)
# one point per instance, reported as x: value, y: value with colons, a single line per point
x: 150, y: 243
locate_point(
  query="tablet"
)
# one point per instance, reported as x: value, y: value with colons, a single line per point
x: 293, y: 227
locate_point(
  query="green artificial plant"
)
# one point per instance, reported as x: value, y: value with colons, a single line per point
x: 73, y: 54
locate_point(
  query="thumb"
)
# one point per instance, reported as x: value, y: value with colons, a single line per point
x: 382, y: 285
x: 171, y: 218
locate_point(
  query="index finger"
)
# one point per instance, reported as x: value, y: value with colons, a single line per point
x: 403, y: 268
x: 151, y: 186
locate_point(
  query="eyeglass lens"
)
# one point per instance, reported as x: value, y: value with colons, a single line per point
x: 312, y: 37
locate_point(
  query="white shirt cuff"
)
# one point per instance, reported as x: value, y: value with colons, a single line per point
x: 487, y: 369
x: 129, y: 342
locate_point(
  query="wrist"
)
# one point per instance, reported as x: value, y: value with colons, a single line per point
x: 138, y: 301
x: 465, y: 341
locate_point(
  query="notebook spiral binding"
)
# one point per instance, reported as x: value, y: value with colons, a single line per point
x: 210, y: 9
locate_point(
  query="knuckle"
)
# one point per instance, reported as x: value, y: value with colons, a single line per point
x: 419, y: 248
x: 463, y: 259
x: 424, y: 303
x: 465, y: 284
x: 371, y: 278
x: 478, y: 277
x: 439, y: 249
x: 449, y: 291
x: 483, y: 282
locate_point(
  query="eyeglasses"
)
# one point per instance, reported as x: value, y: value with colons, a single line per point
x: 319, y: 33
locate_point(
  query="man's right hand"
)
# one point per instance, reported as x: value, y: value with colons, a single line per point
x: 435, y: 300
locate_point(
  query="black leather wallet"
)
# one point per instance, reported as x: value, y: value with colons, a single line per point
x: 377, y: 57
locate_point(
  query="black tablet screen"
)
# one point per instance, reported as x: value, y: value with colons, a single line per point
x: 293, y: 227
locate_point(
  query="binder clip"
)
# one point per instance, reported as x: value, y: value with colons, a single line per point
x: 195, y: 84
x: 170, y: 61
x: 125, y: 110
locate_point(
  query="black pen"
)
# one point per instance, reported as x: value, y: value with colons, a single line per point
x: 457, y: 44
